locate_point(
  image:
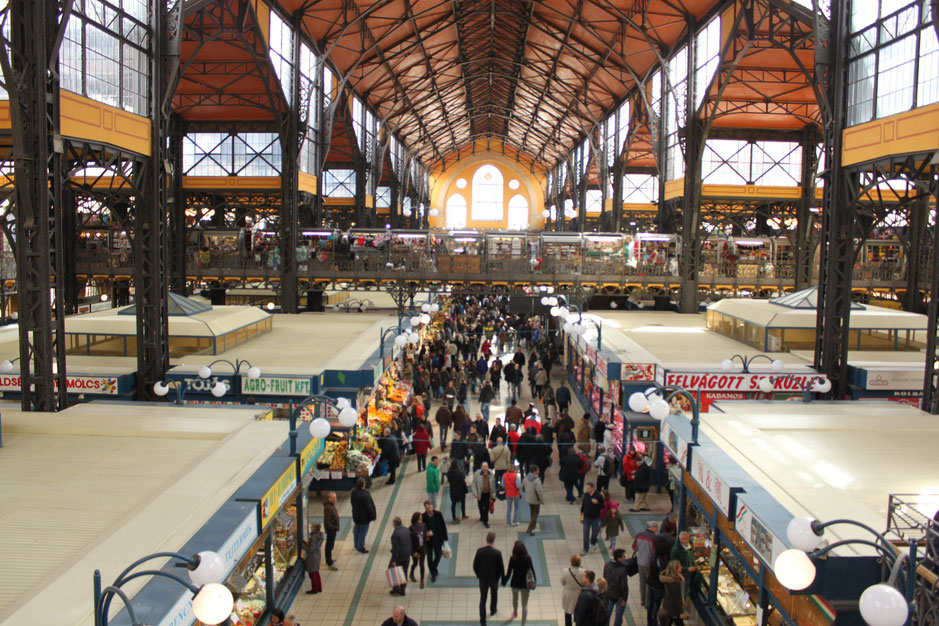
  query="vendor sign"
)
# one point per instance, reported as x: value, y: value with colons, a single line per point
x: 757, y: 535
x: 675, y: 443
x: 276, y: 386
x: 637, y: 371
x: 97, y: 385
x: 737, y: 381
x: 709, y: 480
x: 277, y: 495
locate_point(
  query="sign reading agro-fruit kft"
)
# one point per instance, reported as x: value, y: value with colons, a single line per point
x: 275, y: 386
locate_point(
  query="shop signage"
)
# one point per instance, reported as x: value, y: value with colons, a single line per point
x: 277, y: 495
x: 591, y: 354
x: 231, y: 551
x: 675, y: 443
x: 309, y: 454
x: 239, y: 541
x: 600, y: 380
x: 276, y: 386
x: 714, y: 381
x: 637, y: 371
x: 893, y: 380
x: 757, y: 535
x: 194, y: 384
x: 712, y: 483
x: 602, y: 366
x: 100, y: 385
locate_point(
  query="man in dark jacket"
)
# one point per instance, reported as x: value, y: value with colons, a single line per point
x: 525, y: 444
x: 540, y: 456
x: 391, y: 453
x: 363, y: 514
x: 400, y: 553
x: 617, y: 591
x: 514, y: 415
x: 436, y: 535
x: 331, y: 526
x: 563, y: 398
x: 444, y: 421
x: 641, y: 484
x: 589, y: 609
x: 590, y: 510
x: 489, y: 569
x: 486, y: 394
x: 458, y: 450
x: 569, y: 472
x: 481, y: 427
x: 399, y: 618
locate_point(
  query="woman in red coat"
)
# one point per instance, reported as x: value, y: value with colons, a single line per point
x: 630, y: 465
x: 421, y: 446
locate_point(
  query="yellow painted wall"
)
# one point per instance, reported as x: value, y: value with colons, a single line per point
x: 231, y: 182
x: 83, y: 118
x: 306, y: 182
x: 5, y: 121
x: 443, y: 185
x: 903, y: 133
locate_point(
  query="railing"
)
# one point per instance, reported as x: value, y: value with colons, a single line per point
x: 377, y: 263
x: 908, y: 521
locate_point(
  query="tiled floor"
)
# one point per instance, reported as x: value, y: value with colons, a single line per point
x: 357, y: 594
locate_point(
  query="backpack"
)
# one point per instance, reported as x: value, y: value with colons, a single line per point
x: 608, y: 466
x: 600, y: 616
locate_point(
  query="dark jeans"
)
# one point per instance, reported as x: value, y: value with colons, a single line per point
x: 533, y: 510
x: 434, y: 554
x: 654, y: 597
x: 591, y: 531
x: 603, y: 482
x: 443, y: 437
x: 392, y: 468
x: 484, y: 507
x: 418, y: 560
x: 486, y: 588
x: 569, y: 490
x: 612, y: 607
x: 421, y: 462
x: 453, y: 505
x: 404, y: 567
x: 330, y: 542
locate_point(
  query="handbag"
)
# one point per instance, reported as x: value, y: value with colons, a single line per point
x: 623, y: 480
x: 445, y: 550
x: 530, y: 581
x: 492, y: 506
x: 395, y: 576
x: 632, y: 566
x: 500, y: 495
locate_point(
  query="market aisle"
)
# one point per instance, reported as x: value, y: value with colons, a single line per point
x: 357, y: 594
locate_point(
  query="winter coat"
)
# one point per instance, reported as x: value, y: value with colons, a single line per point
x: 517, y: 572
x: 617, y: 581
x: 421, y: 442
x: 313, y: 552
x: 591, y: 608
x: 571, y: 587
x: 433, y: 478
x: 592, y: 505
x: 613, y: 522
x: 363, y: 507
x: 443, y: 416
x: 562, y: 396
x: 401, y: 546
x: 642, y: 478
x: 501, y: 457
x: 457, y: 481
x: 582, y: 431
x: 330, y: 517
x: 533, y: 490
x: 478, y: 483
x: 570, y: 468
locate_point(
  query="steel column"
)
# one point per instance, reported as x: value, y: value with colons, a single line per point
x: 178, y: 233
x: 803, y: 251
x: 27, y: 60
x: 914, y: 300
x: 291, y: 135
x: 931, y: 376
x: 839, y: 211
x: 150, y: 254
x: 695, y: 137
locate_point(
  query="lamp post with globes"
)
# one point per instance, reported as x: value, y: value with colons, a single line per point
x: 6, y: 366
x: 656, y: 401
x: 728, y: 364
x: 212, y: 602
x: 402, y: 339
x: 885, y: 603
x: 319, y: 426
x: 218, y: 389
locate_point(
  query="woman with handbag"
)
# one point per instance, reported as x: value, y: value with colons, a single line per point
x: 521, y: 573
x: 571, y: 578
x: 418, y: 532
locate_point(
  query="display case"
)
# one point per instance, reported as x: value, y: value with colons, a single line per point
x: 249, y: 580
x: 286, y: 550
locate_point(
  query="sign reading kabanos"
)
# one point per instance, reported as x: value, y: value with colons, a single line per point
x: 106, y: 385
x: 713, y: 381
x: 281, y: 386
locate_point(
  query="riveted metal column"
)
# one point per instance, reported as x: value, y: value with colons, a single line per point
x: 178, y: 234
x: 914, y: 300
x: 290, y: 138
x: 931, y: 377
x: 691, y: 196
x: 803, y: 252
x: 838, y: 212
x: 27, y: 61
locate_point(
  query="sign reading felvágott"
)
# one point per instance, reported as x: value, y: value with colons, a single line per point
x: 714, y: 381
x: 275, y: 386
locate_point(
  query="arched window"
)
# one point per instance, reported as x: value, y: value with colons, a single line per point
x: 519, y: 218
x: 488, y: 195
x: 456, y: 211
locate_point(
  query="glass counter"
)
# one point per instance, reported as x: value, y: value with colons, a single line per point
x: 284, y: 529
x: 249, y: 579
